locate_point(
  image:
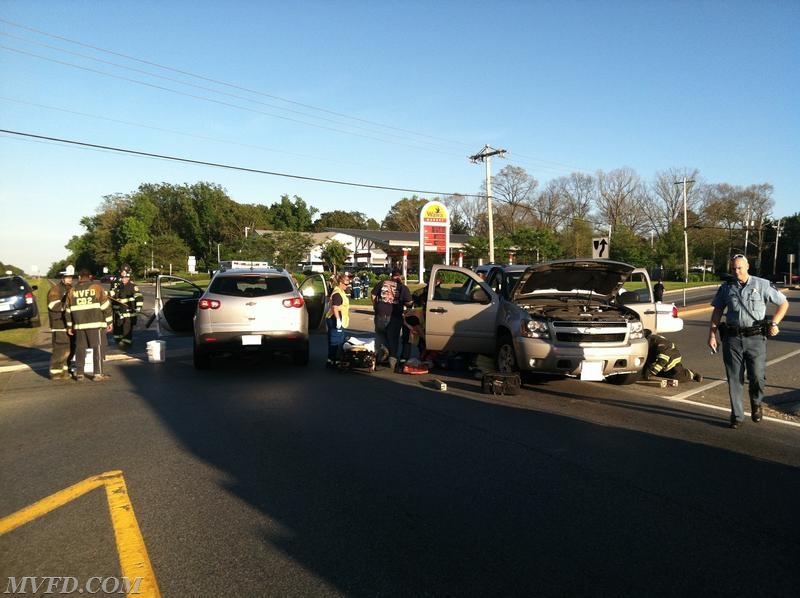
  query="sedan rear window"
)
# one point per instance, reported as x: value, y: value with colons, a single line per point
x: 11, y: 286
x: 251, y: 286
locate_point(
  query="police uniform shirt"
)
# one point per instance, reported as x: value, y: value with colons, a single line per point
x: 747, y: 303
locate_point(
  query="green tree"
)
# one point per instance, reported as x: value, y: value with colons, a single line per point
x: 340, y: 219
x: 535, y: 245
x: 404, y: 215
x: 291, y: 248
x: 334, y: 254
x: 628, y: 247
x: 291, y: 215
x: 576, y: 240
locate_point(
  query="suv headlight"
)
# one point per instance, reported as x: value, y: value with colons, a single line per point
x: 636, y: 329
x: 534, y: 329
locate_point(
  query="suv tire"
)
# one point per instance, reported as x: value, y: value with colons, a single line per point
x: 202, y: 361
x: 300, y: 357
x: 623, y: 378
x: 505, y: 356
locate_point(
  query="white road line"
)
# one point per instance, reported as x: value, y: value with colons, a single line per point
x: 684, y: 396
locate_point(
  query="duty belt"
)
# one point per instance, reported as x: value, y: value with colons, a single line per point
x: 728, y: 330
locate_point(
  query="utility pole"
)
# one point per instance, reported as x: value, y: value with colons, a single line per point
x: 685, y: 240
x: 485, y: 155
x: 775, y: 260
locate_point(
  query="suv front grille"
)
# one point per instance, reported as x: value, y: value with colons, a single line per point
x: 590, y: 332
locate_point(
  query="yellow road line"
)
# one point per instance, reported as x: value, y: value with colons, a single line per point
x: 133, y: 558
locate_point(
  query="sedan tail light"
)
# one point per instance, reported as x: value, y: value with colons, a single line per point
x: 29, y: 298
x: 294, y: 302
x: 674, y: 311
x: 208, y: 304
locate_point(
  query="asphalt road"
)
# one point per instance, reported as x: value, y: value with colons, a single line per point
x: 267, y: 479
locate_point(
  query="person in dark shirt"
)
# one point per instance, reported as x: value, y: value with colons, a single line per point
x: 390, y: 297
x: 658, y: 290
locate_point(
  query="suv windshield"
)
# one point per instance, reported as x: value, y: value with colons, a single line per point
x: 250, y: 286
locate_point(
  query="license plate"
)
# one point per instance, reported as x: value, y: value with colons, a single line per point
x: 251, y: 339
x: 5, y: 307
x: 592, y: 370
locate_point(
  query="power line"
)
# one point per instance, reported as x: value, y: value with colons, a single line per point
x: 227, y: 166
x: 226, y: 84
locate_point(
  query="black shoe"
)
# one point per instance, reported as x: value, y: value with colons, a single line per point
x: 734, y: 422
x: 697, y: 377
x: 755, y: 413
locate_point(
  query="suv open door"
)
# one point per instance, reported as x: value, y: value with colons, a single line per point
x: 175, y: 304
x: 460, y: 313
x: 316, y: 293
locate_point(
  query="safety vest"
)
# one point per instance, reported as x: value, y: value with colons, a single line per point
x: 344, y: 308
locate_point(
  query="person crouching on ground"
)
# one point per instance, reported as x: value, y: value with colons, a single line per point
x: 664, y: 360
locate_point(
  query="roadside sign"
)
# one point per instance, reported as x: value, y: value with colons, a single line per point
x: 600, y: 247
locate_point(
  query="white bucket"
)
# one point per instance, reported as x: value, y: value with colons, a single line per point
x: 88, y: 366
x: 156, y: 351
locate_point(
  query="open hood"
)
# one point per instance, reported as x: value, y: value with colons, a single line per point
x: 600, y: 277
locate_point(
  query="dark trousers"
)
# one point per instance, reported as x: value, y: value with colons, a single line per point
x: 335, y: 339
x: 63, y: 351
x: 387, y: 333
x: 123, y: 329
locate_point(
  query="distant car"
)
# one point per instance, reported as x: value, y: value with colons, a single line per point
x: 17, y: 301
x: 108, y: 278
x: 243, y: 310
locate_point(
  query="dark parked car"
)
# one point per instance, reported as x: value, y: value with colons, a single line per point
x: 17, y: 302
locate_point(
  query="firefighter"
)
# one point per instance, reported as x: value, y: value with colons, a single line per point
x: 664, y: 360
x: 126, y: 302
x: 89, y: 317
x: 63, y: 343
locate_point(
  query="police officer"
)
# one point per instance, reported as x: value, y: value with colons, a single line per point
x: 744, y: 334
x: 126, y: 302
x: 63, y: 343
x: 88, y: 316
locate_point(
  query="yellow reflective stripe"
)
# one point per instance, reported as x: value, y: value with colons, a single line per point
x: 86, y: 307
x: 54, y: 304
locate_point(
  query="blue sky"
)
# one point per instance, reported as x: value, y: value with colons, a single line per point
x: 386, y: 93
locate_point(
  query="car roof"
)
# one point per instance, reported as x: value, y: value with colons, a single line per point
x: 259, y: 270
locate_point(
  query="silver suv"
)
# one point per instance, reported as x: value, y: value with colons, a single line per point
x: 243, y: 310
x: 557, y: 317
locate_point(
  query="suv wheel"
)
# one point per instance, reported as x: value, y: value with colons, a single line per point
x: 623, y: 378
x: 505, y: 356
x: 201, y: 360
